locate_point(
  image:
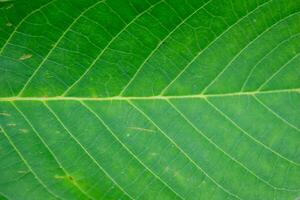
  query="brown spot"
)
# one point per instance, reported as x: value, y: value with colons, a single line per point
x: 67, y: 177
x: 8, y: 24
x: 70, y: 178
x: 25, y: 56
x: 11, y: 124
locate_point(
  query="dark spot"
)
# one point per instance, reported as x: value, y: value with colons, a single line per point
x: 70, y: 178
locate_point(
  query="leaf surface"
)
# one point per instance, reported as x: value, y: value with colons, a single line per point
x: 157, y: 99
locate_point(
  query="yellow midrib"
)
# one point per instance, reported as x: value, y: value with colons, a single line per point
x: 62, y: 98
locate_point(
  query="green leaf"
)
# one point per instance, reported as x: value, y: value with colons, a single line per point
x: 157, y: 99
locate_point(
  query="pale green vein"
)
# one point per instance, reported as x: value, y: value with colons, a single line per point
x: 202, y: 96
x: 21, y: 22
x: 183, y: 152
x: 86, y: 151
x: 278, y: 71
x: 263, y: 58
x: 3, y: 196
x: 55, y: 45
x: 245, y: 48
x: 225, y: 153
x: 250, y: 136
x: 271, y: 180
x: 128, y: 150
x: 27, y: 164
x: 106, y: 47
x: 209, y: 45
x: 158, y: 46
x: 275, y: 114
x: 50, y: 151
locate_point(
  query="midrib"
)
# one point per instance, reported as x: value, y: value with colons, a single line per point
x: 61, y: 98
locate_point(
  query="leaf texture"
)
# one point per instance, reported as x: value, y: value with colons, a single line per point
x: 156, y: 99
